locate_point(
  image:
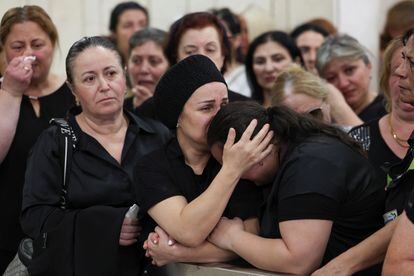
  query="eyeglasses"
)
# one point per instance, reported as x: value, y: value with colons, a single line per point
x: 316, y: 113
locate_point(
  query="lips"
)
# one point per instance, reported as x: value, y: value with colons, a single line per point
x: 106, y: 99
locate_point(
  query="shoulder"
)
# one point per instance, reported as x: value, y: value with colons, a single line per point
x: 149, y: 125
x: 364, y: 133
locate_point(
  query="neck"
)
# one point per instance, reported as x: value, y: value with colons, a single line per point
x: 400, y: 129
x: 267, y: 98
x: 43, y: 87
x: 102, y: 125
x: 195, y: 156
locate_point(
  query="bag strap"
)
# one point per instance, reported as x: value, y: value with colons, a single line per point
x: 66, y: 147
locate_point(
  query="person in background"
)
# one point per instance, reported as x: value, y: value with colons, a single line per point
x: 309, y: 38
x: 192, y: 190
x: 126, y: 18
x: 325, y: 24
x: 267, y: 56
x: 400, y: 18
x: 196, y: 33
x: 396, y: 81
x: 146, y: 64
x: 235, y: 74
x: 308, y: 94
x: 90, y: 235
x: 30, y: 96
x: 322, y: 198
x: 345, y: 63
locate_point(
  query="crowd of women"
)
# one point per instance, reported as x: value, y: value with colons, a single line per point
x: 280, y: 156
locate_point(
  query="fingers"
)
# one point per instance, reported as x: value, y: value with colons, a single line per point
x: 130, y: 221
x: 123, y: 242
x: 247, y: 134
x: 231, y: 136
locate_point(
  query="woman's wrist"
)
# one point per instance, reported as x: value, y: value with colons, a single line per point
x: 10, y: 93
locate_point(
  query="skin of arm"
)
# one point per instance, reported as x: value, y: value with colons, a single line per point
x: 369, y: 252
x: 341, y: 112
x: 160, y: 249
x: 300, y: 251
x: 191, y: 223
x: 400, y: 254
x: 16, y: 81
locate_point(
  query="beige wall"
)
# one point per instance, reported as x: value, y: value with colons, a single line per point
x: 77, y: 18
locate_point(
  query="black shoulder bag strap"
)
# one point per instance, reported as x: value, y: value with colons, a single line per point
x: 66, y: 147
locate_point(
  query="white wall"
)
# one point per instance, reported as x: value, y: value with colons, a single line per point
x: 77, y: 18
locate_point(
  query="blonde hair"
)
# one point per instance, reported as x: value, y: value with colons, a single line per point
x: 386, y: 73
x: 295, y: 80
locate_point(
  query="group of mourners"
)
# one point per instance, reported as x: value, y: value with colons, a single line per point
x: 286, y: 161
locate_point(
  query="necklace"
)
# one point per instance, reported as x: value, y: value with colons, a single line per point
x: 401, y: 142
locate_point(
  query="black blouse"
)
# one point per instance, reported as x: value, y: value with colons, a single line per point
x: 322, y: 178
x: 12, y: 169
x: 376, y: 109
x: 99, y: 193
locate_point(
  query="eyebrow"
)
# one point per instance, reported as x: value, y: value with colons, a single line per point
x: 212, y: 101
x: 93, y: 72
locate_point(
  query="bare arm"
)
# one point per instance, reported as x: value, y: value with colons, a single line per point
x: 176, y: 216
x: 367, y: 253
x: 341, y: 112
x: 400, y: 254
x: 15, y: 82
x: 162, y: 253
x: 300, y: 250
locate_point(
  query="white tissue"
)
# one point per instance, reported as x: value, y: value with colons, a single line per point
x: 132, y: 212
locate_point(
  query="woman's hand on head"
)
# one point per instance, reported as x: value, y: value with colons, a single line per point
x: 17, y: 76
x: 241, y: 156
x: 225, y: 231
x: 130, y: 231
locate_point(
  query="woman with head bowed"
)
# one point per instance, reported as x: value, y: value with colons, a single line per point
x: 318, y: 205
x: 188, y: 191
x: 30, y: 96
x: 87, y: 216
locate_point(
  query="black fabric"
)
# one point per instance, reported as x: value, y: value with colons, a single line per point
x: 379, y: 153
x: 12, y: 168
x: 99, y: 193
x: 178, y: 84
x: 171, y: 177
x: 148, y: 109
x: 128, y: 104
x: 323, y: 172
x: 409, y: 208
x: 375, y: 110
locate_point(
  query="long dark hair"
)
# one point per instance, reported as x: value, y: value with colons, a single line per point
x: 279, y: 37
x: 290, y: 128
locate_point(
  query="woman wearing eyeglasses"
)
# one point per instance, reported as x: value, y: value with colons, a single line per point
x: 308, y: 94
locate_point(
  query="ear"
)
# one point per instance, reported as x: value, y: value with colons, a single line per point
x: 236, y: 41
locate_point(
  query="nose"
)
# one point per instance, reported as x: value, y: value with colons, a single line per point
x: 28, y: 51
x: 312, y: 56
x: 269, y: 66
x: 103, y: 84
x: 343, y: 81
x: 144, y: 67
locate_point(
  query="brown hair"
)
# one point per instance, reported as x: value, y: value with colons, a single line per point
x: 386, y: 73
x: 28, y: 13
x: 196, y: 20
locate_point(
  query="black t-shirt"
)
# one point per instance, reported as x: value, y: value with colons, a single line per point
x: 322, y: 178
x: 163, y: 174
x: 376, y: 109
x: 13, y: 167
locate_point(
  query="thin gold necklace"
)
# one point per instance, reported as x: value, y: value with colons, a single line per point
x: 401, y: 142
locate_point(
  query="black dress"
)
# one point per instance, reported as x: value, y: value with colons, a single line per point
x: 322, y: 178
x: 99, y: 193
x: 12, y: 169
